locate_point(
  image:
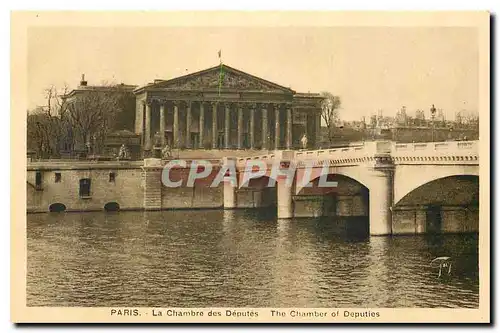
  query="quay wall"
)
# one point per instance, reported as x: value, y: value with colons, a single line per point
x: 128, y: 184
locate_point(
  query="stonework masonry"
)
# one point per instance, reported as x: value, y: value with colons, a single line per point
x: 132, y: 187
x: 400, y: 188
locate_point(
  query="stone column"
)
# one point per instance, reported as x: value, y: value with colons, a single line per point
x: 264, y: 127
x: 289, y: 128
x: 252, y: 127
x: 227, y: 125
x: 381, y: 198
x: 162, y: 123
x: 215, y: 131
x: 240, y: 126
x: 229, y: 188
x: 176, y: 125
x: 201, y: 127
x: 147, y: 130
x: 277, y: 126
x: 188, y: 124
x: 318, y: 129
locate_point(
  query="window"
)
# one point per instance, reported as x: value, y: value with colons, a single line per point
x: 112, y: 176
x: 38, y: 180
x: 57, y: 177
x: 84, y: 187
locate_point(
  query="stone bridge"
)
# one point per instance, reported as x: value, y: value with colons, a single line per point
x: 401, y: 187
x: 396, y: 188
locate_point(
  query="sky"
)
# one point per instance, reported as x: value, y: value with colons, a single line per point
x: 370, y: 68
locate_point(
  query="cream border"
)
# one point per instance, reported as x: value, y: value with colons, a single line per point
x: 20, y: 21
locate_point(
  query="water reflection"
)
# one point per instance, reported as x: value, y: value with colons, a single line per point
x: 239, y: 258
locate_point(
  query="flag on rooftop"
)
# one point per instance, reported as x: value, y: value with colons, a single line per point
x: 221, y: 74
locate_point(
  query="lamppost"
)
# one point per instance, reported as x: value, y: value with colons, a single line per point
x: 433, y: 115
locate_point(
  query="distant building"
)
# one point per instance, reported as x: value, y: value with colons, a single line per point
x: 440, y: 116
x: 401, y: 117
x: 83, y: 88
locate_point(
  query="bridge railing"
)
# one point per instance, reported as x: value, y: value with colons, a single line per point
x: 75, y: 164
x: 449, y: 152
x: 365, y: 149
x: 372, y: 148
x: 447, y: 147
x: 80, y: 164
x: 177, y: 163
x: 266, y: 158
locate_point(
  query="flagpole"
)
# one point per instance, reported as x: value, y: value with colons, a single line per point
x: 221, y: 72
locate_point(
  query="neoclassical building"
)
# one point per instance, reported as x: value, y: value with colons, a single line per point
x: 232, y: 110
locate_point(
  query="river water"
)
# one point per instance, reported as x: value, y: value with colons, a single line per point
x: 244, y: 258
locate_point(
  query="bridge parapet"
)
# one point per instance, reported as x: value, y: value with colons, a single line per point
x: 81, y: 165
x: 372, y: 151
x: 176, y: 163
x: 449, y: 146
x: 268, y: 158
x: 449, y: 152
x: 366, y: 152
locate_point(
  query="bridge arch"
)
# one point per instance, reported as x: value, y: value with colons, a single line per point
x: 408, y: 178
x: 57, y: 207
x: 347, y: 202
x: 256, y: 194
x: 457, y: 190
x: 257, y: 183
x: 447, y: 204
x: 355, y: 173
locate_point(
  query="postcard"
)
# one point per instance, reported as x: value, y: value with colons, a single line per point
x: 250, y: 167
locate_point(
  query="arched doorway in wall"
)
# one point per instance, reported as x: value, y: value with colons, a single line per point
x: 112, y: 206
x: 57, y: 207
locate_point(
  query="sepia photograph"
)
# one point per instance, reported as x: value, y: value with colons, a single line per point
x: 196, y: 168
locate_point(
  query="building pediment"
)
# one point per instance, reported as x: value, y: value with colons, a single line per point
x: 223, y: 77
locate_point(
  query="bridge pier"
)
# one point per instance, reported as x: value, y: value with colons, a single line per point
x: 380, y: 206
x: 229, y: 195
x: 285, y: 188
x: 284, y: 193
x: 381, y: 197
x: 230, y: 187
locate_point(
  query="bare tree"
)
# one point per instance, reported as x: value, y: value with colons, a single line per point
x: 67, y: 120
x: 330, y: 112
x: 45, y: 126
x: 43, y: 133
x: 55, y: 101
x: 93, y: 114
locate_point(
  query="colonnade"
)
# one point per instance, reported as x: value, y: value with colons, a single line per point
x: 228, y: 108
